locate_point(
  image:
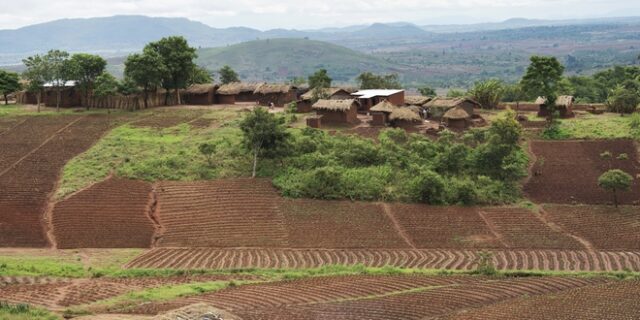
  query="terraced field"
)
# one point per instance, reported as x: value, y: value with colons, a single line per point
x: 551, y: 260
x: 223, y: 213
x: 111, y: 214
x: 31, y: 176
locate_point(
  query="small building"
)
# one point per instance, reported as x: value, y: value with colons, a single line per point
x: 416, y: 100
x: 380, y: 113
x: 457, y: 118
x: 404, y: 117
x: 564, y: 105
x: 70, y: 95
x: 337, y: 111
x: 306, y: 100
x: 27, y: 97
x: 200, y: 94
x: 278, y: 94
x: 439, y: 106
x: 370, y: 98
x: 231, y: 93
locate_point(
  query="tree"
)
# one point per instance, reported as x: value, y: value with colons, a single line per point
x: 127, y: 87
x: 228, y: 75
x: 177, y: 57
x: 61, y: 71
x: 86, y: 68
x: 145, y: 70
x: 38, y: 72
x: 512, y: 93
x: 614, y: 180
x: 9, y: 83
x: 488, y: 93
x: 368, y: 80
x: 200, y: 75
x: 427, y: 92
x: 105, y: 85
x: 263, y: 135
x: 543, y: 78
x: 320, y: 79
x: 208, y: 150
x: 455, y: 93
x: 623, y: 100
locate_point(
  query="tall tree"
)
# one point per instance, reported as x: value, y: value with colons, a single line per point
x: 105, y: 85
x: 318, y: 83
x: 61, y: 71
x: 38, y: 72
x: 368, y: 80
x: 86, y: 68
x: 228, y: 75
x: 615, y: 180
x: 488, y: 93
x: 177, y: 58
x: 263, y: 135
x: 543, y: 78
x: 145, y: 70
x: 623, y: 99
x: 200, y: 75
x: 9, y: 83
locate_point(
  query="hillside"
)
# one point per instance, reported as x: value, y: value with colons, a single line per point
x: 283, y: 59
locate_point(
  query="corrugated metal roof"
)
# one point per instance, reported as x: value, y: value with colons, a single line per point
x: 71, y: 83
x: 367, y: 94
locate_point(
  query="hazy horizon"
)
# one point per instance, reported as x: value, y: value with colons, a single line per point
x: 289, y: 14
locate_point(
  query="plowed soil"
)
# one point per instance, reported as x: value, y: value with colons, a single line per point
x: 370, y: 297
x: 550, y: 260
x: 27, y: 184
x: 571, y: 169
x: 222, y: 213
x: 614, y: 301
x: 607, y: 228
x: 339, y: 224
x: 110, y: 214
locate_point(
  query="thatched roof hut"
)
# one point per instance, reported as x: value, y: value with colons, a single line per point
x: 333, y: 105
x: 384, y: 106
x: 238, y: 87
x: 267, y: 88
x: 563, y: 103
x: 201, y: 88
x: 200, y: 94
x: 416, y: 100
x: 326, y: 92
x: 337, y: 111
x: 456, y: 113
x: 439, y: 106
x: 404, y: 114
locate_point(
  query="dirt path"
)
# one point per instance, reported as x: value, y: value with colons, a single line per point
x: 152, y: 211
x: 493, y: 229
x: 12, y: 166
x: 12, y: 127
x: 543, y: 215
x: 396, y: 224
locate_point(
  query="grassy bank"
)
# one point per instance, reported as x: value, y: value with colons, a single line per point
x: 605, y: 126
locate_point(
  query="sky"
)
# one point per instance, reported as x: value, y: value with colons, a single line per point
x: 299, y: 14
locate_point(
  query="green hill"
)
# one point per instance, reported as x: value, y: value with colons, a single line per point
x: 283, y: 59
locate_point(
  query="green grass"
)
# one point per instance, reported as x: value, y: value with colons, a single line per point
x: 21, y: 110
x: 24, y: 312
x: 158, y: 154
x: 37, y: 266
x: 605, y: 126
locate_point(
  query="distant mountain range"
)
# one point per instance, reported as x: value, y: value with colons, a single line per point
x: 116, y: 35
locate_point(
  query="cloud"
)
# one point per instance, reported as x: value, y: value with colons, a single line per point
x: 266, y: 14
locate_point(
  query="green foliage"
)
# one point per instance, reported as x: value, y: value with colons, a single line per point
x: 543, y: 79
x: 427, y: 92
x: 512, y: 93
x: 86, y: 68
x: 37, y: 73
x: 368, y: 80
x: 145, y: 70
x: 177, y: 59
x: 228, y: 75
x: 208, y: 150
x: 615, y: 180
x: 455, y: 93
x: 9, y: 83
x: 485, y: 264
x: 428, y: 187
x: 488, y: 93
x: 105, y: 85
x: 264, y: 135
x: 127, y: 87
x: 320, y: 79
x: 199, y: 75
x: 623, y: 99
x: 24, y: 312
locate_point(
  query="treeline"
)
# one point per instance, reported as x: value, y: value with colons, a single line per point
x: 167, y: 63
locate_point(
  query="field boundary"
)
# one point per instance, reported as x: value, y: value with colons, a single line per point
x: 397, y: 226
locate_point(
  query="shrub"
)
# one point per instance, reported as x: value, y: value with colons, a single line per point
x: 428, y: 187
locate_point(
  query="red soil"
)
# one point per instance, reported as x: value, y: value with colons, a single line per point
x: 370, y: 297
x: 27, y: 185
x: 339, y: 224
x: 605, y: 227
x: 617, y: 300
x: 110, y: 214
x: 445, y: 227
x: 551, y: 260
x: 571, y: 169
x: 222, y: 213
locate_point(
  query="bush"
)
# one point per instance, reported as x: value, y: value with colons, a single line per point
x: 428, y: 187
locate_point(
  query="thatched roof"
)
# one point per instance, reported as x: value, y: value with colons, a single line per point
x: 456, y: 113
x: 384, y: 106
x: 440, y: 102
x: 238, y: 87
x: 267, y: 88
x: 561, y: 101
x: 333, y: 105
x: 328, y: 92
x: 404, y: 114
x: 201, y: 88
x: 416, y: 100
